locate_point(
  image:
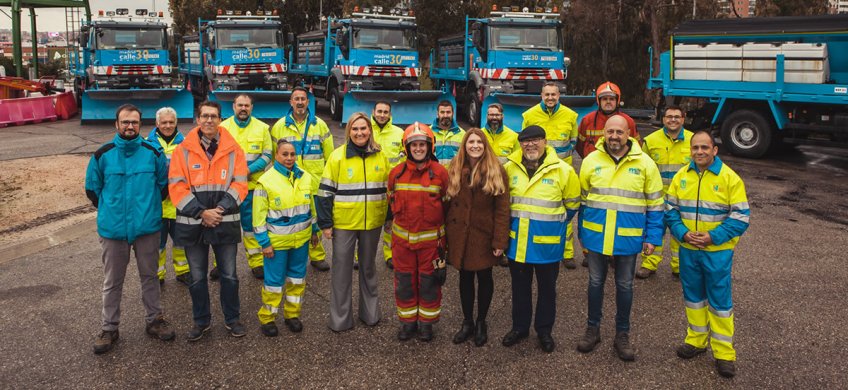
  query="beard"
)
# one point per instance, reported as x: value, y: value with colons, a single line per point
x: 445, y: 122
x: 494, y: 125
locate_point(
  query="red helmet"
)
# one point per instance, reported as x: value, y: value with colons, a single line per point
x: 419, y: 132
x: 608, y: 89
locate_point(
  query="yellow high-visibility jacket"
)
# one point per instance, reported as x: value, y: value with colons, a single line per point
x: 540, y: 208
x: 283, y: 209
x: 311, y: 139
x: 669, y: 154
x: 168, y: 209
x: 712, y: 201
x: 352, y: 194
x: 504, y: 141
x: 255, y: 141
x: 560, y: 127
x: 390, y: 139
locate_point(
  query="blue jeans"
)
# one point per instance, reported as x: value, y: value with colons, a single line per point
x: 198, y: 261
x: 625, y: 269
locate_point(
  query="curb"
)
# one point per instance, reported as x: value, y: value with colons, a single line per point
x: 26, y: 248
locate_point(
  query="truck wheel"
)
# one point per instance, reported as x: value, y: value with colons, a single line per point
x: 335, y: 104
x: 746, y: 133
x: 472, y: 110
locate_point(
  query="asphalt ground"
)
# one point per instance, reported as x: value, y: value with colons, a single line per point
x: 789, y: 286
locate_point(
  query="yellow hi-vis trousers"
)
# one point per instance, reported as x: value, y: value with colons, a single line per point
x: 253, y: 251
x: 387, y: 246
x: 569, y: 242
x: 178, y: 255
x: 317, y: 252
x: 287, y: 265
x: 706, y: 281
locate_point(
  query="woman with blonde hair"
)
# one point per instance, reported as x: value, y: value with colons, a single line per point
x: 476, y: 240
x: 352, y: 205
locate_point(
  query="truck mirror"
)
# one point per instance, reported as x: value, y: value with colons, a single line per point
x: 340, y: 38
x: 83, y: 37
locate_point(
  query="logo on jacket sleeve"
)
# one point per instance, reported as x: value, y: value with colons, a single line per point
x: 597, y: 169
x: 683, y: 184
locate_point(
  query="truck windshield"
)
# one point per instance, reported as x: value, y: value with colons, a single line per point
x: 384, y: 38
x: 237, y: 38
x: 524, y: 38
x: 135, y: 38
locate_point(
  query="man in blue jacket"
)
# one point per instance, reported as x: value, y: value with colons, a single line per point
x: 126, y: 181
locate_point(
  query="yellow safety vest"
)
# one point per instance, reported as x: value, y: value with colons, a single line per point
x: 353, y: 191
x: 255, y: 141
x: 503, y: 142
x: 283, y: 210
x: 560, y: 127
x: 312, y: 142
x: 390, y: 139
x: 168, y: 209
x: 669, y: 154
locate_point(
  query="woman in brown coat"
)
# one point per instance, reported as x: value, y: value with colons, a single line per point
x: 477, y: 227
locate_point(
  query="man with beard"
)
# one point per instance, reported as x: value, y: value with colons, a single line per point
x: 313, y: 143
x: 255, y: 141
x: 620, y: 215
x: 448, y: 133
x: 592, y: 125
x: 502, y: 139
x: 390, y: 139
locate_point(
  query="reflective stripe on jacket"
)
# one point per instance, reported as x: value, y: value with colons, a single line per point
x: 712, y: 201
x: 352, y: 194
x: 504, y: 141
x: 255, y: 142
x: 447, y: 141
x: 622, y: 204
x: 669, y: 154
x: 283, y: 209
x: 416, y: 198
x: 168, y: 209
x: 540, y: 208
x: 390, y: 139
x: 197, y: 184
x: 560, y: 127
x: 311, y: 139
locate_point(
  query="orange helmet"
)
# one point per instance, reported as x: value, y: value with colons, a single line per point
x: 608, y: 89
x: 419, y: 132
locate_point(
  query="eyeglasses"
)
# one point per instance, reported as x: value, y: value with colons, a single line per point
x: 130, y: 123
x: 533, y: 141
x: 208, y: 116
x: 673, y: 117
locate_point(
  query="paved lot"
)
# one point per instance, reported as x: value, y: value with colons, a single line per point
x: 789, y: 281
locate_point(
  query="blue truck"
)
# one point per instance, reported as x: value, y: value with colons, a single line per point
x: 369, y: 57
x: 122, y: 59
x: 760, y: 81
x: 505, y: 58
x: 238, y: 52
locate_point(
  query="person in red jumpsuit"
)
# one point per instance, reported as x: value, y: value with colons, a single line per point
x: 592, y: 125
x: 416, y: 190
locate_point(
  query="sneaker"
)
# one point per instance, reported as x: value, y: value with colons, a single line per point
x: 389, y: 264
x: 294, y: 325
x: 258, y: 272
x: 320, y: 265
x: 569, y: 263
x: 725, y: 368
x: 105, y: 341
x: 269, y: 329
x: 197, y: 332
x: 644, y: 273
x: 590, y: 339
x: 236, y: 329
x: 214, y: 274
x: 184, y: 279
x: 161, y: 329
x: 622, y: 347
x: 688, y: 351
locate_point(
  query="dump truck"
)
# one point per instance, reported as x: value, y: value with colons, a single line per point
x: 355, y: 62
x: 506, y: 58
x: 123, y: 59
x: 760, y: 81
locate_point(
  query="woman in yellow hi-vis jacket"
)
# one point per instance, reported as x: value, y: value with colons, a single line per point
x: 283, y: 222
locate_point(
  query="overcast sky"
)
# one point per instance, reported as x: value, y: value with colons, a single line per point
x: 53, y: 19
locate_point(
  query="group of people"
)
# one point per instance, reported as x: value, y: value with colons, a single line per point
x: 434, y: 195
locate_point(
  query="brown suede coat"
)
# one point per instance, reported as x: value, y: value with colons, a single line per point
x: 476, y: 224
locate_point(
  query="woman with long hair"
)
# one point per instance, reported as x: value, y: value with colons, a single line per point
x: 352, y: 205
x: 476, y: 240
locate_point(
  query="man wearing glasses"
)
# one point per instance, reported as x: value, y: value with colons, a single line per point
x: 126, y: 181
x: 669, y: 148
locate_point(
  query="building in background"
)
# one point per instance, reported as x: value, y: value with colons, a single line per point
x: 745, y: 8
x: 838, y: 6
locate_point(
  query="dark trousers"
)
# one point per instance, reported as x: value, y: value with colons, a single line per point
x: 198, y: 260
x: 485, y: 290
x: 522, y: 291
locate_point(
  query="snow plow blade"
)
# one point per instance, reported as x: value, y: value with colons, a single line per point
x: 100, y: 104
x: 407, y: 106
x: 268, y: 106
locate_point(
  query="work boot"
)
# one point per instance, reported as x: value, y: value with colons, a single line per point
x: 161, y: 282
x: 425, y: 332
x: 675, y: 275
x: 622, y: 347
x: 569, y: 263
x: 725, y: 368
x: 105, y: 341
x: 389, y: 264
x: 320, y: 265
x: 236, y: 329
x: 269, y: 329
x: 214, y: 274
x: 355, y: 264
x: 294, y: 325
x: 688, y: 351
x: 197, y: 332
x: 258, y: 272
x: 585, y: 263
x: 481, y: 334
x: 513, y: 337
x: 590, y: 339
x: 465, y: 332
x: 407, y: 330
x: 184, y: 278
x: 161, y: 329
x: 644, y: 273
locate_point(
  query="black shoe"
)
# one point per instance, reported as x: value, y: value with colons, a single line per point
x: 258, y: 272
x: 184, y: 278
x: 214, y: 274
x: 105, y: 341
x: 590, y: 339
x: 513, y: 337
x: 547, y: 343
x: 585, y: 263
x: 355, y: 264
x: 688, y: 351
x: 389, y: 264
x: 481, y: 335
x: 320, y: 265
x: 569, y: 263
x: 407, y: 330
x: 675, y: 275
x: 161, y: 282
x: 269, y: 329
x: 725, y: 368
x: 197, y: 332
x: 236, y: 329
x: 465, y: 332
x: 622, y: 347
x: 294, y: 325
x: 425, y: 332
